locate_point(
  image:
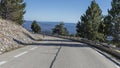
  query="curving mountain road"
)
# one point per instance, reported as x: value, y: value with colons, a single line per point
x: 55, y: 53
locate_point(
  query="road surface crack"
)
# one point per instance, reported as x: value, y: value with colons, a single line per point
x: 53, y: 61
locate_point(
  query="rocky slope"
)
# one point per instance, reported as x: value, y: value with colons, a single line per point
x: 13, y: 36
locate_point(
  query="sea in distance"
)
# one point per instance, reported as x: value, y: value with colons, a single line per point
x: 46, y: 27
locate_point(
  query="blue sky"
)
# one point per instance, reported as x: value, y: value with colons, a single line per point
x: 60, y: 10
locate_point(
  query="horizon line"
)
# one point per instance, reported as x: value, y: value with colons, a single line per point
x: 51, y: 21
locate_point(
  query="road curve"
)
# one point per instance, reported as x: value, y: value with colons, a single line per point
x: 55, y: 53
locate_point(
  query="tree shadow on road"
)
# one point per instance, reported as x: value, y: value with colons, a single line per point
x: 66, y: 43
x: 61, y: 40
x: 49, y: 43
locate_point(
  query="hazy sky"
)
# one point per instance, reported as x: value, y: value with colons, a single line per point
x: 60, y: 10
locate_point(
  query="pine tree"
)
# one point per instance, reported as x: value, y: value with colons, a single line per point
x: 90, y: 23
x: 60, y: 29
x: 12, y: 10
x: 107, y: 26
x: 101, y: 27
x: 35, y: 27
x: 79, y: 29
x: 114, y: 14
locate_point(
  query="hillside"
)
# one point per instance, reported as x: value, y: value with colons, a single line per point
x: 12, y: 36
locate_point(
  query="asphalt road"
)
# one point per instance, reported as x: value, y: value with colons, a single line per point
x: 55, y: 53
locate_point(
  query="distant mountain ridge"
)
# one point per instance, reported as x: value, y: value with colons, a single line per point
x: 48, y: 26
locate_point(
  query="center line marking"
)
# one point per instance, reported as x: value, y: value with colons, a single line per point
x: 33, y: 48
x: 3, y: 62
x: 21, y: 54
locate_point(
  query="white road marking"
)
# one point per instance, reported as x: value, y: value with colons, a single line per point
x: 117, y: 66
x: 33, y: 48
x: 99, y: 53
x: 3, y: 62
x: 21, y: 54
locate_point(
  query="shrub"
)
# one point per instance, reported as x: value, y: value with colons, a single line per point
x: 35, y: 27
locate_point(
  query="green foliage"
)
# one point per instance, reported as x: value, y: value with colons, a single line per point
x: 101, y: 28
x: 71, y: 35
x: 114, y: 14
x: 60, y: 29
x: 35, y: 27
x: 80, y: 29
x: 90, y: 23
x: 108, y: 25
x: 12, y: 10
